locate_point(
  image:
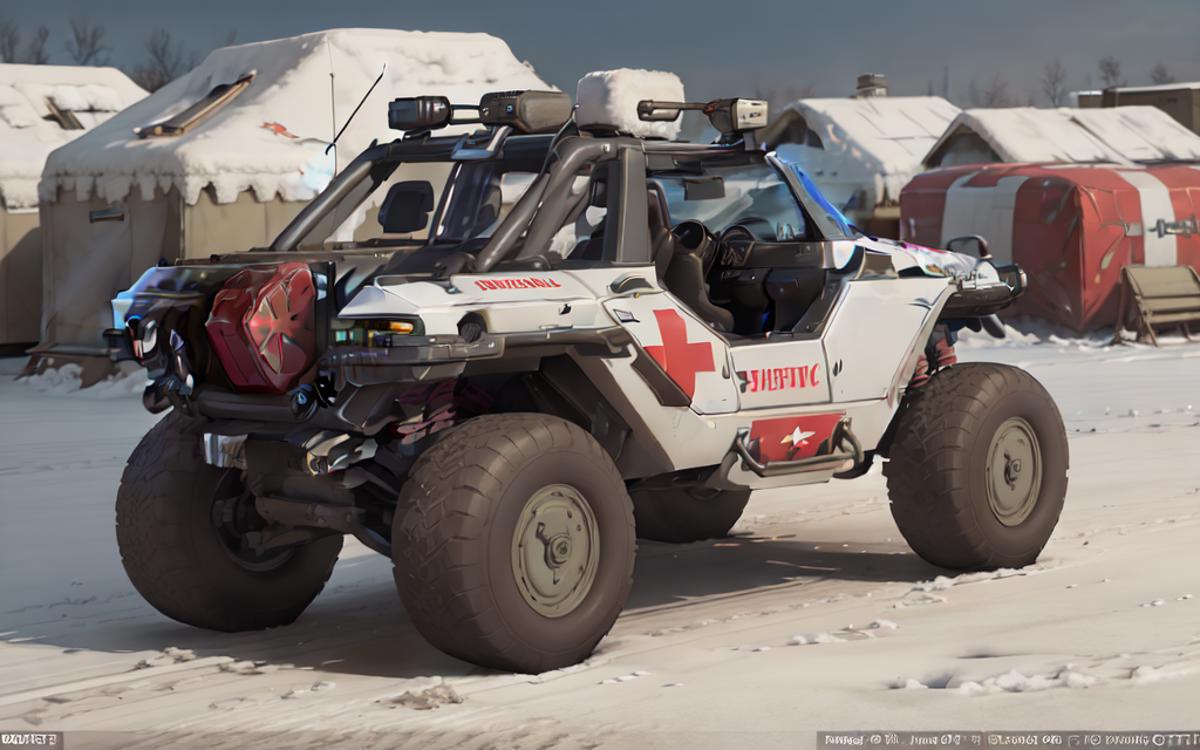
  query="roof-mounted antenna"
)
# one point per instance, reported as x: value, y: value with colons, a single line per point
x: 350, y: 119
x: 332, y: 106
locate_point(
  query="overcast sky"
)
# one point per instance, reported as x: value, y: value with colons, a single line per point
x: 719, y: 48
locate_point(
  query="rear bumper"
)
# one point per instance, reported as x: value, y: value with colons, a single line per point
x: 355, y: 388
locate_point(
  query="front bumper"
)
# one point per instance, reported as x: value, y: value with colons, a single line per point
x: 974, y: 299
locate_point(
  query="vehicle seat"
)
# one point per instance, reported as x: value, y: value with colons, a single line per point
x: 662, y: 242
x: 693, y: 251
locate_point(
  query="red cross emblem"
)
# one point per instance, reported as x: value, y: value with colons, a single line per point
x: 681, y: 358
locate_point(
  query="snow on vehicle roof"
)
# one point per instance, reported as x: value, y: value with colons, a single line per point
x: 271, y: 136
x: 1115, y: 134
x: 44, y: 106
x: 609, y: 98
x: 875, y: 141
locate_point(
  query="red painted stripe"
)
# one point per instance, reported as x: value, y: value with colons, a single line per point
x: 1184, y: 185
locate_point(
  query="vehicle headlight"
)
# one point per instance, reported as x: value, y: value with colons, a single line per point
x: 376, y: 332
x: 148, y: 337
x: 143, y: 337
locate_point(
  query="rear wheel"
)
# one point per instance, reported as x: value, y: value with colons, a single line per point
x: 513, y: 542
x: 977, y: 469
x: 181, y: 528
x: 680, y: 515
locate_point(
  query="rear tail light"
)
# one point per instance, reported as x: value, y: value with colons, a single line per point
x: 262, y: 327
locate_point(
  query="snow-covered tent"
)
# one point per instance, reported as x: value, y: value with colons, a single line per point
x: 1118, y: 135
x: 1181, y: 100
x: 222, y: 158
x: 862, y: 151
x: 41, y: 108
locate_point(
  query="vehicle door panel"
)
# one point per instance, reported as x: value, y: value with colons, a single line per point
x: 691, y: 354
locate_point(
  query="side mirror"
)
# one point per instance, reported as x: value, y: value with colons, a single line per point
x: 971, y: 244
x: 406, y: 207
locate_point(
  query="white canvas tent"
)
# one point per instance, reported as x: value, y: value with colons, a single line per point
x: 41, y: 108
x: 222, y: 158
x: 1120, y: 135
x: 862, y: 151
x: 1181, y: 100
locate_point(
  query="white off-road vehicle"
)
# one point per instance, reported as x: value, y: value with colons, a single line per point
x: 597, y: 335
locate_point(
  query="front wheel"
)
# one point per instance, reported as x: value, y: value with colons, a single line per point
x: 513, y: 542
x: 977, y: 467
x: 180, y: 527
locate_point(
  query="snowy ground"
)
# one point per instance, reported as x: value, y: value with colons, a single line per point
x: 814, y: 616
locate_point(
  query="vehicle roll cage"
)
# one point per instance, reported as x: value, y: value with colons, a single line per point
x: 545, y: 205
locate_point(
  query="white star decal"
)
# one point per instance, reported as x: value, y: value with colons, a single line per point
x: 797, y: 437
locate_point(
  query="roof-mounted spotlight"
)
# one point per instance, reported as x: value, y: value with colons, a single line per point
x: 420, y: 113
x: 728, y: 116
x: 523, y: 111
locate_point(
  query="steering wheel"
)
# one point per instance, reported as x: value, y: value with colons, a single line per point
x: 693, y: 237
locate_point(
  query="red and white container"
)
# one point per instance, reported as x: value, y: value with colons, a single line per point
x: 1070, y: 226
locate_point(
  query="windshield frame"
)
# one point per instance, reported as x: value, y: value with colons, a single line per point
x: 832, y: 223
x: 827, y: 228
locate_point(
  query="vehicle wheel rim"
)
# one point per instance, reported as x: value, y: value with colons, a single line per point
x: 233, y: 515
x: 1014, y: 471
x: 555, y: 550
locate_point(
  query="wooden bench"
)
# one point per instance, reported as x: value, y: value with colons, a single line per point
x: 1159, y: 296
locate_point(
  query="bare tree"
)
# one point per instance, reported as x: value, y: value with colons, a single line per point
x: 10, y: 42
x: 35, y: 51
x: 165, y: 61
x: 1054, y: 78
x: 1160, y: 75
x: 1110, y: 71
x: 86, y: 45
x: 994, y: 94
x: 974, y: 96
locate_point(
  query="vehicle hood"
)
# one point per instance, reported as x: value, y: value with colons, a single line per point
x: 910, y: 258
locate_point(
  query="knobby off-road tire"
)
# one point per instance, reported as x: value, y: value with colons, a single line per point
x: 467, y: 543
x: 678, y: 515
x: 977, y: 468
x: 178, y: 560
